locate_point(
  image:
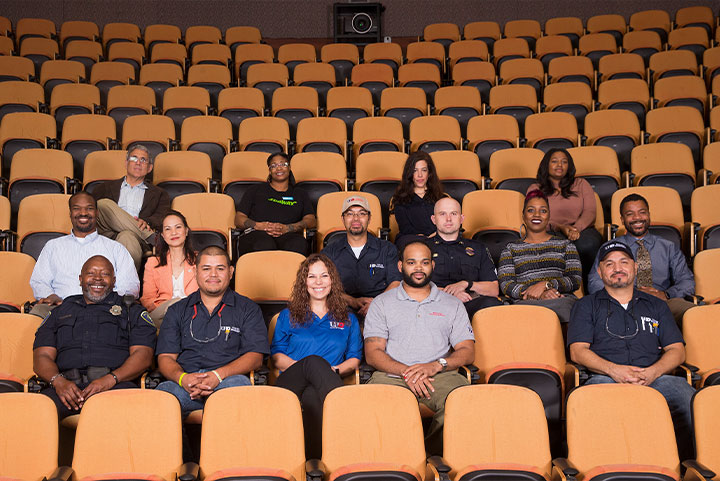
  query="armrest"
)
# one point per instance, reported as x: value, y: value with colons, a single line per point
x: 471, y: 372
x: 62, y: 473
x: 260, y: 376
x: 571, y: 377
x: 701, y: 470
x: 35, y: 384
x: 152, y: 379
x: 565, y: 466
x: 437, y: 469
x: 314, y: 470
x: 188, y: 472
x: 583, y: 373
x: 366, y: 371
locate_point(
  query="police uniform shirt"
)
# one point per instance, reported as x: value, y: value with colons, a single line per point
x: 369, y: 274
x: 262, y: 203
x: 634, y: 336
x: 97, y: 335
x: 461, y: 260
x: 205, y: 340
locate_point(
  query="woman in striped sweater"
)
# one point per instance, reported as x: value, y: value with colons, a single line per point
x: 541, y: 269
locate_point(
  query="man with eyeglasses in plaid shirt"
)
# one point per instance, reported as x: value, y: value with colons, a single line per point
x: 131, y: 209
x: 624, y: 335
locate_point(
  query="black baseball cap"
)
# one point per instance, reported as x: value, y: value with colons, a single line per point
x: 611, y: 246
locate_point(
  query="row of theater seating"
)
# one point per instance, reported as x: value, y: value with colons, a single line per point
x: 604, y: 436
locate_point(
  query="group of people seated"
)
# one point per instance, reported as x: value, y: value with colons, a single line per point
x: 411, y: 302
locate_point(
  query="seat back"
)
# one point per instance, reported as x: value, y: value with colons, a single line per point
x: 700, y: 328
x: 548, y: 130
x: 129, y: 423
x: 265, y: 134
x: 380, y: 173
x: 182, y: 173
x: 318, y: 173
x: 325, y: 134
x: 601, y: 430
x: 28, y: 453
x: 209, y: 216
x: 35, y: 171
x: 473, y: 443
x: 42, y: 217
x: 706, y: 420
x: 377, y: 133
x: 703, y: 212
x: 514, y: 169
x: 261, y: 439
x: 435, y: 132
x: 242, y: 170
x: 18, y: 332
x: 459, y: 172
x: 576, y: 68
x: 621, y: 65
x: 103, y: 165
x: 666, y: 211
x: 385, y: 428
x: 267, y: 275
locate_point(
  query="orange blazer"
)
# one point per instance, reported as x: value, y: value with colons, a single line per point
x: 157, y: 283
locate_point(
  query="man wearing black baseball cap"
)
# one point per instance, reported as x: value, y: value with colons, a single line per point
x: 625, y: 335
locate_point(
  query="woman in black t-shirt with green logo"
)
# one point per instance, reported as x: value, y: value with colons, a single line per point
x: 276, y: 211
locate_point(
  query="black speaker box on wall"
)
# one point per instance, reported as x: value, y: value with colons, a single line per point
x: 358, y: 23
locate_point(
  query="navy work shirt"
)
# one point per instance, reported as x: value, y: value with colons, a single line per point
x: 371, y: 273
x: 460, y: 260
x: 97, y: 335
x: 205, y: 340
x: 633, y: 337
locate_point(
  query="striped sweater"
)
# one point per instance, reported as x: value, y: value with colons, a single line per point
x: 523, y: 264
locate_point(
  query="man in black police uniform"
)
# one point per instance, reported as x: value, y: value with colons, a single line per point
x: 625, y: 335
x: 211, y: 339
x: 463, y: 267
x: 92, y: 342
x: 367, y: 265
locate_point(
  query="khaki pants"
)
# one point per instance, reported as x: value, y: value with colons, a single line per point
x: 678, y: 306
x: 444, y: 383
x: 158, y: 314
x: 115, y: 223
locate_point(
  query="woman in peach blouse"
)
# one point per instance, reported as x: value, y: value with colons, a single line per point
x: 170, y: 274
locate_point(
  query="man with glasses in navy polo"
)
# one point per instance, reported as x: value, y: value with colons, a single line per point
x: 624, y: 335
x: 212, y: 339
x: 131, y: 209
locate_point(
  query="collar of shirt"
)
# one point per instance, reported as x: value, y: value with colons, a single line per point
x: 648, y: 238
x: 636, y: 297
x: 88, y: 238
x: 403, y: 295
x: 113, y: 298
x: 228, y: 299
x: 125, y: 185
x: 370, y: 244
x: 440, y: 240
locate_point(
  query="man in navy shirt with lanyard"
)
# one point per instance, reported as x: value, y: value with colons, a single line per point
x: 625, y: 335
x: 211, y: 339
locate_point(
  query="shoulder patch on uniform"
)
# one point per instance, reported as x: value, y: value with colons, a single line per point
x: 47, y: 316
x: 145, y: 316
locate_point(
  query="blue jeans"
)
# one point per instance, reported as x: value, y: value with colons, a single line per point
x: 678, y: 394
x: 188, y: 405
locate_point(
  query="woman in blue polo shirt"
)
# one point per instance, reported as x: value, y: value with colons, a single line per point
x: 316, y: 341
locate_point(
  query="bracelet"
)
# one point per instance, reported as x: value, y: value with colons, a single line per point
x: 52, y: 379
x: 181, y: 378
x: 468, y: 289
x: 117, y: 381
x: 216, y: 374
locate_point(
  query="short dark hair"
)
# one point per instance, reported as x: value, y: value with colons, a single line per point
x: 213, y: 250
x: 633, y: 198
x: 138, y: 146
x: 82, y: 192
x: 413, y: 242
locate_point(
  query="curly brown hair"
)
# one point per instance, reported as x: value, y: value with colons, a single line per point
x: 299, y: 303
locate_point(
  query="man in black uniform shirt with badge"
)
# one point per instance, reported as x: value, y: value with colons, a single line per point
x: 463, y: 267
x: 92, y: 342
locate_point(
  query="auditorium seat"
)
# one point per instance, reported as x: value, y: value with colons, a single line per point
x: 618, y: 129
x: 321, y: 134
x: 159, y: 33
x: 514, y: 169
x: 687, y: 91
x: 574, y: 98
x: 373, y: 134
x: 458, y: 171
x: 520, y: 101
x: 429, y: 52
x: 698, y: 16
x: 461, y: 102
x: 380, y: 173
x: 529, y: 30
x: 213, y: 78
x: 19, y: 96
x: 115, y: 32
x: 181, y: 173
x: 488, y: 32
x: 208, y: 134
x: 526, y: 71
x: 435, y: 132
x: 267, y: 77
x: 489, y: 133
x: 704, y: 215
x: 156, y: 132
x: 318, y: 173
x: 493, y: 217
x: 42, y: 217
x: 329, y: 216
x: 711, y: 64
x: 56, y: 72
x: 103, y: 165
x: 597, y: 45
x: 657, y: 21
x: 613, y: 24
x: 5, y: 26
x: 15, y: 291
x: 25, y: 130
x: 201, y: 34
x: 211, y: 218
x: 263, y: 442
x: 267, y: 277
x: 622, y: 66
x: 700, y: 327
x: 132, y: 53
x: 32, y: 453
x: 318, y: 75
x: 85, y: 133
x: 553, y: 46
x: 105, y: 75
x: 72, y: 99
x: 506, y: 49
x: 124, y: 101
x: 374, y: 76
x: 467, y: 51
x: 180, y: 103
x: 264, y: 134
x: 139, y: 419
x: 295, y: 104
x: 39, y: 50
x: 572, y: 69
x: 343, y: 57
x: 626, y: 93
x: 570, y: 27
x: 551, y: 130
x: 86, y: 52
x: 389, y: 54
x: 599, y: 166
x: 34, y: 27
x: 693, y: 39
x: 705, y: 419
x: 240, y: 35
x: 211, y: 54
x: 7, y: 47
x: 349, y: 104
x: 241, y: 171
x: 404, y: 104
x: 17, y: 333
x: 677, y: 124
x: 642, y: 42
x: 247, y: 54
x: 239, y: 103
x: 442, y: 33
x: 293, y: 54
x: 172, y: 53
x: 672, y: 63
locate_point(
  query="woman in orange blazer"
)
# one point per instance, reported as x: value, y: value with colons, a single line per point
x: 170, y: 274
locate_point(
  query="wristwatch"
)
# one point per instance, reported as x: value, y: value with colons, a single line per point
x: 443, y: 363
x: 548, y: 286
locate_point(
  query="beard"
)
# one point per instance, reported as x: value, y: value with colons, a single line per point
x: 409, y: 280
x: 87, y: 293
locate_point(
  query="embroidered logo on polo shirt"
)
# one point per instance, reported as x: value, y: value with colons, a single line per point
x: 437, y: 314
x: 337, y: 325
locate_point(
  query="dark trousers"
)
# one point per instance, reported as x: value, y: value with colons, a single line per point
x: 480, y: 302
x: 63, y: 411
x: 258, y: 240
x: 311, y: 379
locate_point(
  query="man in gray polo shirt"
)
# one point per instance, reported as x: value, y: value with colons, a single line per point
x: 417, y: 336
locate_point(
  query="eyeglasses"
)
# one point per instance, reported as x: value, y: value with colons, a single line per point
x: 279, y: 165
x: 220, y: 328
x: 621, y: 336
x: 360, y: 215
x: 135, y: 158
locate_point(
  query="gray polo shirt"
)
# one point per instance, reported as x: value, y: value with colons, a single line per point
x: 418, y: 332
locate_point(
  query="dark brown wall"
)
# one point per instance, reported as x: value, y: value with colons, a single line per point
x: 313, y: 18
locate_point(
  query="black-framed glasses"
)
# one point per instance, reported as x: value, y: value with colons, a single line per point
x: 278, y: 165
x: 360, y: 215
x: 621, y: 336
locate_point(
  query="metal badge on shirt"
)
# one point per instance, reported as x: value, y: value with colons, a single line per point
x: 116, y: 310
